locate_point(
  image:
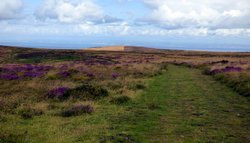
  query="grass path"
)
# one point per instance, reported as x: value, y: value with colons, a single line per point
x: 182, y: 105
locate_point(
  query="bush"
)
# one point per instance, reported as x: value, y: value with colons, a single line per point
x: 87, y: 91
x: 120, y: 99
x: 58, y: 93
x: 77, y: 110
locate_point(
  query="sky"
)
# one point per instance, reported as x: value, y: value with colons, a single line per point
x: 216, y: 25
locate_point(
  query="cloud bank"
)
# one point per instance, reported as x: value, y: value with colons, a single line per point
x: 9, y: 9
x: 162, y: 17
x: 212, y: 14
x: 73, y: 11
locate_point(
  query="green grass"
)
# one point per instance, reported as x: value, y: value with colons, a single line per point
x: 181, y: 105
x: 187, y: 107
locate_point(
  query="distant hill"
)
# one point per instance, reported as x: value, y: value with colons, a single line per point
x: 124, y: 48
x: 107, y: 48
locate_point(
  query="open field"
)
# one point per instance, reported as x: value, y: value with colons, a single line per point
x: 136, y: 95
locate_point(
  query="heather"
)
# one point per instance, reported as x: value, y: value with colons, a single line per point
x: 235, y: 75
x: 100, y: 96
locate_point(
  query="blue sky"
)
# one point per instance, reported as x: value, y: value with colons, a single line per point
x: 183, y: 24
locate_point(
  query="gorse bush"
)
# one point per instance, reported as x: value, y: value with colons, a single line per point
x: 77, y: 110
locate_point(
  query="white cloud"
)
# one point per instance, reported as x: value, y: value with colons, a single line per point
x: 197, y: 14
x: 73, y: 11
x: 168, y: 17
x: 9, y: 9
x: 115, y: 29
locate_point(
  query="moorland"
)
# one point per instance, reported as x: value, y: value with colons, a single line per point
x: 131, y: 95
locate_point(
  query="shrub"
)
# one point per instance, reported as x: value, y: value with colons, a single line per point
x: 58, y: 93
x: 77, y: 110
x: 120, y: 99
x: 87, y: 91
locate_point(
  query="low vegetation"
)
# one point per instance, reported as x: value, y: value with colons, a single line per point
x: 122, y: 96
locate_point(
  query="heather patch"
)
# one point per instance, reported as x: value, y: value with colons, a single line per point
x: 226, y: 69
x: 58, y: 93
x: 15, y: 72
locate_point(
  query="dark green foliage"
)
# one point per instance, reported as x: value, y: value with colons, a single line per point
x: 119, y: 138
x: 120, y: 99
x: 28, y: 113
x: 88, y: 91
